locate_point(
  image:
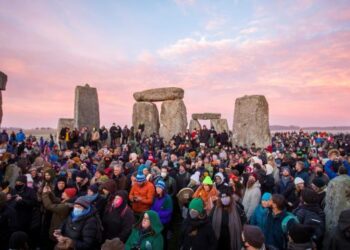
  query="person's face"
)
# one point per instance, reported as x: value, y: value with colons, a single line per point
x: 217, y: 179
x: 97, y: 174
x: 117, y: 171
x: 206, y: 188
x: 105, y: 191
x: 47, y: 176
x: 145, y: 171
x: 146, y: 223
x: 300, y: 186
x: 266, y: 204
x: 61, y: 185
x: 285, y: 172
x: 78, y: 206
x: 159, y: 191
x: 298, y: 167
x: 79, y: 179
x: 33, y: 173
x: 89, y: 192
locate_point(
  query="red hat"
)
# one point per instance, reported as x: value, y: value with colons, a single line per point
x: 254, y: 175
x: 70, y: 192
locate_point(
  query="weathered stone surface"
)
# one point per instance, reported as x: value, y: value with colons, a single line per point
x: 3, y: 80
x: 173, y: 119
x: 159, y: 94
x: 206, y: 116
x: 220, y: 125
x: 1, y: 107
x: 86, y: 110
x: 337, y: 200
x: 194, y: 124
x: 64, y: 123
x: 146, y: 113
x: 251, y: 121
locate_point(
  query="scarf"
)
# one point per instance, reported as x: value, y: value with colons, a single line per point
x: 234, y: 223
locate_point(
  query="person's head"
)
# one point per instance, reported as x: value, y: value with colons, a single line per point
x: 164, y: 172
x: 80, y: 177
x: 277, y: 202
x: 92, y: 190
x: 68, y: 193
x: 117, y: 169
x: 33, y: 172
x: 182, y: 169
x: 299, y: 166
x: 219, y: 178
x: 251, y: 180
x: 266, y: 200
x: 109, y: 187
x: 299, y: 183
x: 140, y: 179
x: 47, y: 176
x: 225, y: 197
x: 300, y: 234
x: 207, y: 183
x: 120, y: 198
x: 160, y: 188
x: 252, y: 237
x: 285, y: 171
x: 196, y: 208
x: 318, y: 184
x: 21, y: 182
x: 61, y: 184
x: 19, y: 241
x: 309, y: 196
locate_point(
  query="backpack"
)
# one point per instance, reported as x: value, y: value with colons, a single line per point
x: 315, y: 220
x: 290, y: 218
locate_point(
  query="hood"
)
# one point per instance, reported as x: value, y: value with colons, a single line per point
x: 300, y: 246
x: 155, y: 221
x: 344, y: 220
x: 219, y: 174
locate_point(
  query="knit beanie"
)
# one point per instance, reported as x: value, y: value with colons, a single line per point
x: 93, y: 188
x: 207, y: 181
x: 298, y: 180
x: 319, y: 182
x: 254, y: 236
x: 161, y: 184
x: 22, y: 178
x: 266, y: 196
x: 197, y: 204
x: 70, y: 192
x: 82, y: 202
x: 140, y: 177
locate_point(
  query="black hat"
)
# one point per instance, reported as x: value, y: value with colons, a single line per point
x: 254, y: 236
x: 22, y: 178
x: 81, y: 174
x: 319, y: 182
x: 300, y: 233
x: 94, y: 188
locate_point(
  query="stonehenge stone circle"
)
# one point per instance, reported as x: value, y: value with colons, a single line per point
x: 220, y: 125
x: 173, y: 119
x: 3, y: 82
x: 86, y: 109
x: 159, y: 94
x: 194, y: 124
x: 146, y: 113
x: 206, y: 116
x: 251, y: 121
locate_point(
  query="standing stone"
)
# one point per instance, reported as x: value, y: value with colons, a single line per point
x: 3, y: 81
x: 64, y: 123
x: 86, y: 110
x: 220, y: 125
x: 159, y: 94
x: 206, y: 116
x: 194, y: 124
x: 146, y: 113
x: 173, y: 119
x: 251, y: 121
x: 337, y: 200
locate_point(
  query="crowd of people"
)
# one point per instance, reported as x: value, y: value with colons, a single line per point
x: 120, y: 189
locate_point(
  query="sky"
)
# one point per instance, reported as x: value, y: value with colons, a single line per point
x: 296, y: 53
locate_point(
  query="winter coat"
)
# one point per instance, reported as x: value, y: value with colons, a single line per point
x: 8, y: 225
x: 331, y: 172
x: 117, y: 222
x: 274, y: 234
x: 197, y: 234
x: 251, y: 199
x: 146, y: 193
x: 300, y: 246
x: 60, y: 211
x: 182, y: 180
x: 164, y: 208
x: 259, y: 217
x: 208, y: 197
x: 120, y: 182
x: 287, y: 190
x: 303, y: 174
x: 340, y: 240
x: 170, y: 184
x: 25, y: 208
x: 150, y: 239
x: 85, y: 231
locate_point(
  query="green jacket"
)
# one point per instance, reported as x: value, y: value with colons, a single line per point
x: 149, y: 241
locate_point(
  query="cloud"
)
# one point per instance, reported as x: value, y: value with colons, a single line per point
x: 248, y: 31
x: 215, y: 23
x: 185, y: 2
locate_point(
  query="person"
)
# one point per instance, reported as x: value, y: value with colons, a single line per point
x: 147, y: 233
x: 300, y: 237
x: 333, y: 164
x: 163, y: 206
x: 301, y: 171
x: 226, y: 221
x: 60, y: 208
x: 96, y: 199
x: 82, y: 228
x: 118, y: 218
x: 286, y: 187
x: 169, y: 181
x: 299, y: 186
x: 8, y: 222
x: 320, y: 187
x: 19, y: 240
x: 274, y: 234
x: 340, y: 236
x: 208, y: 193
x: 118, y: 175
x: 260, y: 214
x: 182, y: 177
x: 252, y: 195
x: 253, y: 238
x: 197, y: 232
x: 141, y: 194
x: 20, y: 136
x: 220, y: 183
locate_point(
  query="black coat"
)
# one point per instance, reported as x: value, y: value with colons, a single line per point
x: 182, y: 180
x: 24, y: 208
x: 85, y: 232
x: 118, y: 223
x: 197, y: 235
x: 339, y: 239
x: 8, y: 225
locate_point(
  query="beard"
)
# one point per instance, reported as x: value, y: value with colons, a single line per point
x: 250, y: 183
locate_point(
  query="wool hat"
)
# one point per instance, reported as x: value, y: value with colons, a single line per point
x: 82, y: 201
x: 253, y: 236
x: 141, y: 168
x: 266, y: 196
x: 81, y: 174
x: 254, y: 175
x: 140, y: 177
x: 70, y: 192
x: 93, y: 188
x: 161, y: 184
x: 196, y: 204
x: 300, y: 233
x: 319, y: 182
x: 103, y: 179
x: 309, y: 196
x: 286, y: 168
x: 207, y: 181
x: 22, y: 178
x: 298, y: 180
x: 109, y: 185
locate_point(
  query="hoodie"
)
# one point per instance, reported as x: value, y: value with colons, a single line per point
x: 340, y: 237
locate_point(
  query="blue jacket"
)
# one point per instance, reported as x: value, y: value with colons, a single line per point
x: 164, y: 208
x: 274, y: 235
x: 20, y: 137
x: 259, y: 217
x: 330, y: 171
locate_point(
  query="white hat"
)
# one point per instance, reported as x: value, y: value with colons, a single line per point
x: 298, y: 180
x: 269, y: 169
